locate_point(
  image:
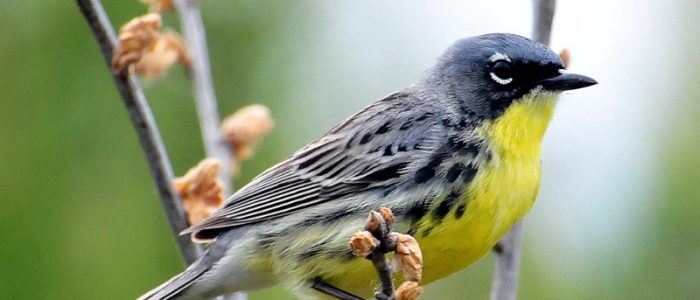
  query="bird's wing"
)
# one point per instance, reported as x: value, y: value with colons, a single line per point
x: 372, y: 149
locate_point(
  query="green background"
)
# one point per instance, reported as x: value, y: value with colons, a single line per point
x: 79, y: 216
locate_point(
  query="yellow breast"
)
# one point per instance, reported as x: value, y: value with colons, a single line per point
x: 502, y: 192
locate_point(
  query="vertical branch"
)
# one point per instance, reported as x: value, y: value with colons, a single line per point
x: 145, y: 126
x: 205, y: 98
x: 507, y: 269
x: 543, y: 17
x: 506, y: 273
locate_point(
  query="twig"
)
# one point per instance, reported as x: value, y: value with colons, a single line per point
x: 378, y: 257
x: 205, y: 98
x: 145, y: 126
x: 330, y: 290
x: 374, y: 243
x: 505, y: 277
x: 505, y: 281
x: 543, y: 17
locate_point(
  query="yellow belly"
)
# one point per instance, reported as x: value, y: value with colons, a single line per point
x: 500, y: 195
x: 496, y: 200
x: 502, y: 192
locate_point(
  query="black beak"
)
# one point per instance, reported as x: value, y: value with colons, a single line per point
x: 566, y: 81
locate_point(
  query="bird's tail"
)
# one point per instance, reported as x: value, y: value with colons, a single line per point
x: 176, y: 285
x: 184, y: 285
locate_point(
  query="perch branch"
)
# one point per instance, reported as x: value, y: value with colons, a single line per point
x: 330, y: 290
x: 507, y: 269
x: 205, y: 98
x: 378, y: 256
x: 145, y: 126
x: 543, y: 17
x: 505, y: 277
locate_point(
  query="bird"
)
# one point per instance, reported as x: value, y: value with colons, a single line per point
x: 455, y: 157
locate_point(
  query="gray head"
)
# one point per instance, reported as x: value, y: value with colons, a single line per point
x: 486, y: 73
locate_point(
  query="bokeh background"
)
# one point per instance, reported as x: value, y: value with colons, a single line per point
x: 618, y: 215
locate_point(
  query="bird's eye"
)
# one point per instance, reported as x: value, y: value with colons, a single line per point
x: 501, y: 72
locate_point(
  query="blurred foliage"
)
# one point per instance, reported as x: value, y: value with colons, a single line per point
x: 79, y: 213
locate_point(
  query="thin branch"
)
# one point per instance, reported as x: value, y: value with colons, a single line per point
x: 145, y: 126
x: 374, y: 243
x: 543, y: 17
x: 505, y: 277
x: 507, y: 270
x: 205, y: 98
x: 381, y: 264
x: 330, y: 290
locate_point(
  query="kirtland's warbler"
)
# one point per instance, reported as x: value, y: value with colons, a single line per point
x: 456, y: 157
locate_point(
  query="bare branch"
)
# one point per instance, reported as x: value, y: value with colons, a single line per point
x: 379, y: 224
x: 145, y: 126
x: 543, y: 17
x: 205, y: 98
x: 505, y: 277
x: 507, y: 270
x: 332, y: 291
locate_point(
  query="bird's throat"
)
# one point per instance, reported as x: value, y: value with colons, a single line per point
x: 520, y: 129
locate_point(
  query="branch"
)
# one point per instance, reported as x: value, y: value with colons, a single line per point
x: 505, y: 282
x: 543, y: 17
x: 145, y: 126
x: 205, y: 98
x: 380, y: 227
x: 505, y: 277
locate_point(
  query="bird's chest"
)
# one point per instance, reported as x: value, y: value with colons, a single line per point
x: 501, y: 193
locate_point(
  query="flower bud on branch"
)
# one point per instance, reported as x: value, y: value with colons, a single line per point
x: 145, y: 50
x: 200, y: 191
x: 244, y: 128
x: 375, y: 241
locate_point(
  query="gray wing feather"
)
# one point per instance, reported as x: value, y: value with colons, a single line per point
x: 372, y: 149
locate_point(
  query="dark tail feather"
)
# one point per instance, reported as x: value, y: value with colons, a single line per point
x: 175, y: 285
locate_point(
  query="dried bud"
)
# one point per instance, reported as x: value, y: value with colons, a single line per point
x: 363, y: 243
x: 159, y: 5
x: 374, y: 222
x: 167, y: 50
x: 409, y: 290
x: 387, y: 215
x: 565, y: 57
x: 408, y: 258
x: 135, y: 38
x: 244, y: 128
x: 201, y: 192
x: 148, y: 52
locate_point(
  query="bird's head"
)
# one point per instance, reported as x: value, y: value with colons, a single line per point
x: 487, y: 74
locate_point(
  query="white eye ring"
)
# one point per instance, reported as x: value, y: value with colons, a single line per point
x: 500, y: 80
x: 498, y: 56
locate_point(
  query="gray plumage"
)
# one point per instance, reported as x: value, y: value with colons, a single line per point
x: 390, y: 154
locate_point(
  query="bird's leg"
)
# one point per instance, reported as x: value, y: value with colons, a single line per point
x: 330, y: 290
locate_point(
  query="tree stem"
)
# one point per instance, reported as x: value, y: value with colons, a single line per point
x: 145, y: 126
x: 506, y: 273
x: 203, y: 87
x: 205, y: 98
